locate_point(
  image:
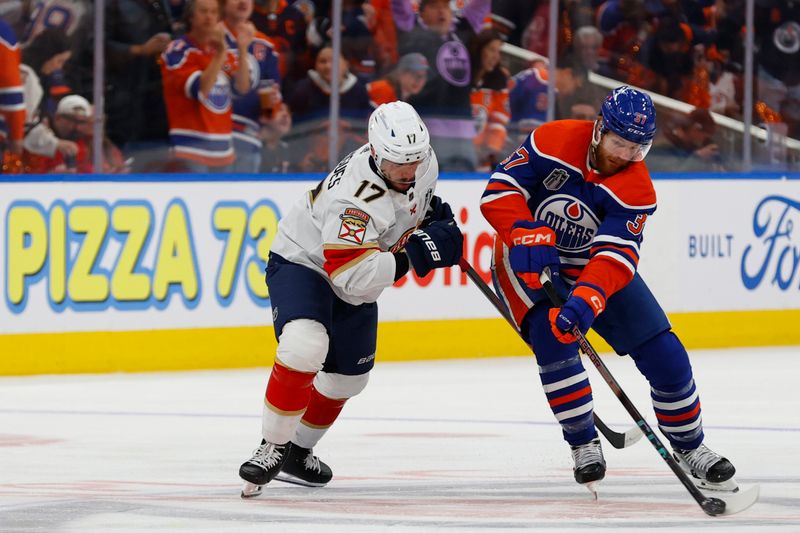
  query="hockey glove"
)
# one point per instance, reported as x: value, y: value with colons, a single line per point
x: 438, y: 245
x: 581, y: 308
x: 438, y: 210
x: 533, y: 248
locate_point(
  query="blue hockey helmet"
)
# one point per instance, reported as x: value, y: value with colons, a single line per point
x: 630, y: 114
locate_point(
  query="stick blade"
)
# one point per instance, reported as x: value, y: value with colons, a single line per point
x: 736, y: 502
x: 618, y: 440
x: 632, y: 436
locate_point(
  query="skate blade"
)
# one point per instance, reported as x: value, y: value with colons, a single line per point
x: 251, y: 490
x: 728, y: 486
x: 288, y: 478
x: 592, y: 487
x: 738, y: 501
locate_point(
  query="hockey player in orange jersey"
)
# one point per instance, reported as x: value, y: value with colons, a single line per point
x: 574, y: 197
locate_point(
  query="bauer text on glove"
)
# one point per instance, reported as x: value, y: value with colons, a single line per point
x: 438, y: 245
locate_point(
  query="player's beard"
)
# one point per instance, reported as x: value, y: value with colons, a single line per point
x: 604, y: 165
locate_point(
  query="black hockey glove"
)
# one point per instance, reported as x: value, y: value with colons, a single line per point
x: 438, y: 245
x: 438, y: 210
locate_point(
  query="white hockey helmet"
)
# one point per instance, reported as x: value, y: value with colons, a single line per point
x: 397, y: 134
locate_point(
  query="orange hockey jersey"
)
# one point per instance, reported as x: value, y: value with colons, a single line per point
x: 12, y: 106
x: 598, y: 221
x: 200, y: 127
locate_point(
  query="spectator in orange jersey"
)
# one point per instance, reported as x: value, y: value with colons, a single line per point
x: 12, y: 106
x: 489, y: 98
x: 197, y: 70
x: 405, y: 80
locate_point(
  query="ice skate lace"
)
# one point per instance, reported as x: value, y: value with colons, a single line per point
x: 587, y: 454
x: 701, y: 459
x: 312, y: 462
x: 266, y: 455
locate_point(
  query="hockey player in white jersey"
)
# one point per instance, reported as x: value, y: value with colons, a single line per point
x: 361, y: 229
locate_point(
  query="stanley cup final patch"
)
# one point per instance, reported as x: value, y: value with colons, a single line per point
x: 354, y: 225
x: 556, y: 179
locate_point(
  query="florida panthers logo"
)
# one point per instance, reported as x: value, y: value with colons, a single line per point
x: 354, y: 225
x: 574, y: 223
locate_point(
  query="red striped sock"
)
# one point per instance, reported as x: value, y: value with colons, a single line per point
x: 288, y: 390
x: 322, y: 411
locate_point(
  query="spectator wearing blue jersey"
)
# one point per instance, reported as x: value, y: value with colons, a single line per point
x: 264, y: 93
x: 528, y: 95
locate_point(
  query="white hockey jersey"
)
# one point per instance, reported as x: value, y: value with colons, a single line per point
x: 348, y: 226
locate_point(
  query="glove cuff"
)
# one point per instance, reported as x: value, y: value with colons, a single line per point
x: 594, y: 296
x: 402, y: 265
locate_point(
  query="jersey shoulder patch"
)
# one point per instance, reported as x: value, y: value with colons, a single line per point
x: 353, y: 226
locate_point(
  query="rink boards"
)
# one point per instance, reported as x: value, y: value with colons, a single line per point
x: 166, y: 272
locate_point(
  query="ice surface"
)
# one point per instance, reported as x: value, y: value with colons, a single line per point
x: 429, y: 446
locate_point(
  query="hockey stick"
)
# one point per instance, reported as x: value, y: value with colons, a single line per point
x: 711, y: 506
x: 617, y: 440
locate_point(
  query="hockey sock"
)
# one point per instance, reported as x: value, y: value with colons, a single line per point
x: 664, y: 362
x: 678, y: 414
x: 320, y: 415
x: 569, y: 394
x: 287, y: 396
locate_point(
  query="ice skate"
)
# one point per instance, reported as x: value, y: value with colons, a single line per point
x: 262, y: 467
x: 590, y: 466
x: 302, y: 467
x: 708, y: 469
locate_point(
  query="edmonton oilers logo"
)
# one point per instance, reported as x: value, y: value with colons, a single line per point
x: 255, y: 72
x: 452, y: 61
x: 574, y: 223
x: 219, y: 98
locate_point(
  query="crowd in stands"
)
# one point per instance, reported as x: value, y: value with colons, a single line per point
x: 244, y: 85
